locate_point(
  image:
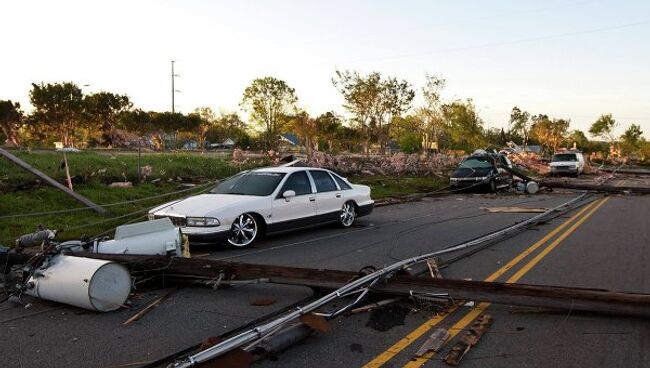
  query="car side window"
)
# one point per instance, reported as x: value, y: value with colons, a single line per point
x: 342, y: 184
x: 323, y: 181
x: 298, y: 182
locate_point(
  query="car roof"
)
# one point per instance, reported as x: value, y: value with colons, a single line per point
x: 285, y: 169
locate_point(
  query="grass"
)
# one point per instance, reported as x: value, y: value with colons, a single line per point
x: 388, y: 186
x: 93, y: 171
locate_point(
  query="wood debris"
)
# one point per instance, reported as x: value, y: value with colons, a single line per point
x: 434, y: 343
x: 469, y: 339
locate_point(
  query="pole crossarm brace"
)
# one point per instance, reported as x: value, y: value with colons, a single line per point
x: 24, y: 165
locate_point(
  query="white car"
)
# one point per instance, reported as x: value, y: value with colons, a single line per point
x: 567, y: 163
x: 252, y: 203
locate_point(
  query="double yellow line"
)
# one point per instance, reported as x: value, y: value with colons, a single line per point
x: 403, y: 343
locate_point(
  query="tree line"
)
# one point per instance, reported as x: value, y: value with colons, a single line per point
x: 380, y: 109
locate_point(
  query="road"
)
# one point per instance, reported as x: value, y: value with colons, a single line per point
x: 599, y: 246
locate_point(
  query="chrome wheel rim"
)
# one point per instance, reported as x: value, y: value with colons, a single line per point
x: 243, y: 231
x: 347, y: 214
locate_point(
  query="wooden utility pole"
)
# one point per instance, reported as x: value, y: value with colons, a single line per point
x: 24, y: 165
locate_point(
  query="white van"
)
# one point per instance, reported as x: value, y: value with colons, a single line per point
x: 567, y: 163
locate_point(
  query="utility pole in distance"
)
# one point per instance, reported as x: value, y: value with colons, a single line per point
x: 173, y: 90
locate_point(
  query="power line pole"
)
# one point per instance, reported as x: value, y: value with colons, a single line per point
x: 173, y: 90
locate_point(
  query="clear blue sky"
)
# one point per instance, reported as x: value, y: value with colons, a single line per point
x: 573, y: 58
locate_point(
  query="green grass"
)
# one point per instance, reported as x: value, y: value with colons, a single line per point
x: 387, y: 186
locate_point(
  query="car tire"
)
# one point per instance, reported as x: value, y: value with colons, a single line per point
x: 493, y: 186
x: 244, y: 231
x: 348, y: 214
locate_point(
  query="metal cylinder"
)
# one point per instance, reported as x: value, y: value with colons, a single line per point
x: 93, y: 284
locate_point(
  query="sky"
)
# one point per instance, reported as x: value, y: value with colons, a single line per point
x: 572, y: 59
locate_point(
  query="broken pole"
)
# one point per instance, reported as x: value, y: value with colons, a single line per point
x: 24, y: 165
x: 593, y: 187
x: 554, y: 297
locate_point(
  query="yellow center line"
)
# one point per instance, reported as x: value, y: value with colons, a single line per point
x: 400, y: 345
x: 475, y: 312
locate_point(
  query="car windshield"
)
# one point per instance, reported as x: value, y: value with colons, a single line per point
x: 564, y: 157
x: 476, y: 163
x: 250, y: 183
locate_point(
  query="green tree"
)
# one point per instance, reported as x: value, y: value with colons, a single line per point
x: 137, y: 121
x: 604, y: 128
x: 431, y: 115
x: 520, y: 123
x: 580, y: 140
x: 208, y: 119
x: 549, y: 132
x: 329, y: 125
x: 58, y: 108
x: 632, y: 140
x: 11, y: 117
x: 373, y: 101
x: 306, y: 128
x: 103, y: 110
x: 269, y: 101
x: 464, y: 126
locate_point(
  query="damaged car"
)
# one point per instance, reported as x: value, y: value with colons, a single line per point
x: 483, y: 170
x: 243, y: 208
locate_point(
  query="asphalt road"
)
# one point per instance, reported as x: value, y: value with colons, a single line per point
x: 603, y: 247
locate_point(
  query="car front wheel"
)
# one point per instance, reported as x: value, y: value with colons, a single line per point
x: 348, y: 214
x: 244, y: 231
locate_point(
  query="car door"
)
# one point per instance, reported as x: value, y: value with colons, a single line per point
x: 329, y: 198
x: 294, y: 212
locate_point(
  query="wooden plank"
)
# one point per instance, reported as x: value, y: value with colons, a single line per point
x: 469, y: 340
x: 24, y: 165
x: 434, y: 343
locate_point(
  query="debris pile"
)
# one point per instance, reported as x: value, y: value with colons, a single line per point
x: 530, y: 161
x: 397, y: 164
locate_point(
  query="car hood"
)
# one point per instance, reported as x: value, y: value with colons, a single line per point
x: 465, y: 172
x: 204, y: 204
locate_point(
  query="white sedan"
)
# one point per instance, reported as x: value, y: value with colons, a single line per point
x: 252, y: 203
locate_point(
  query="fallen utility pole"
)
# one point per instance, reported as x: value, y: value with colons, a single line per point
x: 403, y: 285
x: 24, y: 165
x: 593, y: 187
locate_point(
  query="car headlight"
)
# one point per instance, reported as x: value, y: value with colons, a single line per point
x: 202, y: 221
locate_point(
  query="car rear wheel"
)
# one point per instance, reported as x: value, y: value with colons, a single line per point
x: 348, y: 214
x: 244, y: 231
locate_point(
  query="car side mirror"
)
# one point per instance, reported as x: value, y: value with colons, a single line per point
x: 288, y: 194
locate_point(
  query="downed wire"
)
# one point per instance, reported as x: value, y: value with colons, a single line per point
x: 360, y: 285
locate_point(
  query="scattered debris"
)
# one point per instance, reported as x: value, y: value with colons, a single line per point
x: 371, y: 306
x: 434, y: 343
x: 121, y: 184
x: 315, y: 322
x: 469, y: 340
x: 149, y: 307
x: 514, y: 210
x: 434, y: 270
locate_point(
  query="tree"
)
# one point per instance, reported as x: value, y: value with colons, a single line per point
x: 604, y: 127
x: 520, y: 123
x: 208, y: 119
x: 269, y: 101
x: 103, y: 110
x: 137, y: 121
x: 373, y: 101
x: 329, y: 125
x: 632, y: 140
x: 306, y: 128
x: 578, y: 138
x: 431, y: 113
x: 58, y: 107
x: 464, y: 126
x: 10, y: 119
x: 549, y: 132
